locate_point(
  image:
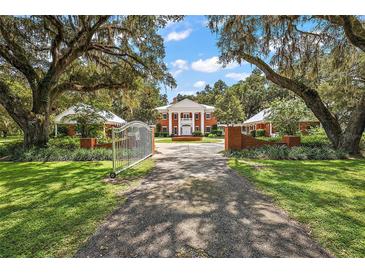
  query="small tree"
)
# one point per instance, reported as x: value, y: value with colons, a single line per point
x: 286, y: 115
x: 228, y: 108
x: 88, y: 119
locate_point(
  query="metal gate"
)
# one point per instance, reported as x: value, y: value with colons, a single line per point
x: 132, y: 144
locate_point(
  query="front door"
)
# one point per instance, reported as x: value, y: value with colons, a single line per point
x: 186, y: 131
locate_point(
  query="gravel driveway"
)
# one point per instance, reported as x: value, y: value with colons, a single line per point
x: 193, y: 205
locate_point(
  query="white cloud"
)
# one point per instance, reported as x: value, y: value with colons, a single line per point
x: 177, y: 36
x: 187, y: 92
x: 237, y: 76
x: 211, y: 65
x: 180, y: 64
x: 199, y: 84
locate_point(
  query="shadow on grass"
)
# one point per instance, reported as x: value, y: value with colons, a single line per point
x: 49, y: 209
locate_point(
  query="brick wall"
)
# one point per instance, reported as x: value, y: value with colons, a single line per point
x: 235, y: 140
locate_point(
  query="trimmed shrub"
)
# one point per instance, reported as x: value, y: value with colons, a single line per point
x: 260, y: 133
x: 280, y: 152
x: 164, y: 134
x: 253, y: 133
x: 64, y: 142
x: 206, y: 134
x: 157, y: 134
x: 218, y: 132
x: 197, y: 133
x: 211, y: 135
x: 52, y: 154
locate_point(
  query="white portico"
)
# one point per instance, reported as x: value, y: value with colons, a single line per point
x: 185, y: 117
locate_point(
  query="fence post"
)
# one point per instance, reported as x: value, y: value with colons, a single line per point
x: 113, y: 144
x: 153, y: 139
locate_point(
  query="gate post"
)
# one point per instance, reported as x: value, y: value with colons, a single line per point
x: 153, y: 139
x: 232, y: 138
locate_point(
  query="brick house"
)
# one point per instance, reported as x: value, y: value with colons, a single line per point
x: 65, y: 118
x: 261, y: 121
x: 184, y: 117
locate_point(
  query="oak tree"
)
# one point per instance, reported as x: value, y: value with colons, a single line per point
x: 55, y: 54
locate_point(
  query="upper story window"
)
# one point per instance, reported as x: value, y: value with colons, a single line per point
x: 164, y: 116
x: 186, y: 115
x: 175, y: 116
x: 196, y: 116
x: 208, y: 116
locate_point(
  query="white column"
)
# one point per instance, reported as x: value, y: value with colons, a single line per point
x: 202, y: 118
x: 193, y: 117
x: 170, y: 121
x: 179, y: 123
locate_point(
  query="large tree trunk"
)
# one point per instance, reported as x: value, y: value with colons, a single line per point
x: 36, y: 132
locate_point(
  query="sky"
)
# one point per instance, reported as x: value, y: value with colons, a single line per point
x: 192, y: 57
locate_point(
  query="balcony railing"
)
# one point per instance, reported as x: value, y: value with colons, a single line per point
x: 186, y: 120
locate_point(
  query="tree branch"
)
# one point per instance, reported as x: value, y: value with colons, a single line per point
x: 354, y: 30
x: 309, y: 96
x: 12, y: 104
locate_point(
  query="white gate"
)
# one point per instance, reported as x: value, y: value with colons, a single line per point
x: 132, y: 144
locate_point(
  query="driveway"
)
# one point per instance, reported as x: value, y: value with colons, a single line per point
x: 193, y: 205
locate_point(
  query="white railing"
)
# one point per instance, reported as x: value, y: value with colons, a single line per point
x: 186, y: 120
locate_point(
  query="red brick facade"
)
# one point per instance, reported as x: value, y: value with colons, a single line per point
x: 188, y: 111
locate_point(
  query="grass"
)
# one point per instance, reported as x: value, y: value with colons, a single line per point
x: 328, y: 196
x: 10, y: 139
x: 205, y: 140
x: 50, y: 209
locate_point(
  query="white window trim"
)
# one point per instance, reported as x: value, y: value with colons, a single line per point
x: 175, y: 130
x: 210, y: 116
x: 210, y: 129
x: 176, y: 116
x: 197, y: 128
x: 164, y: 127
x: 163, y: 116
x: 196, y: 116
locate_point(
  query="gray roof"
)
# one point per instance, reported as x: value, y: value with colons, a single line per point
x: 259, y: 117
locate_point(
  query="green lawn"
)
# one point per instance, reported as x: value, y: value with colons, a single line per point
x: 50, y: 209
x: 10, y: 139
x: 329, y: 196
x: 205, y: 140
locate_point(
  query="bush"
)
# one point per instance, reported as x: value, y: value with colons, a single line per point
x: 279, y: 152
x: 260, y: 133
x: 157, y: 134
x: 104, y: 140
x: 253, y: 133
x: 218, y: 132
x: 64, y: 142
x: 164, y: 134
x: 197, y: 133
x: 316, y: 137
x: 206, y: 134
x: 52, y: 154
x: 211, y: 135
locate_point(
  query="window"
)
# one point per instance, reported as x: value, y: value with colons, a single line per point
x: 186, y: 115
x: 197, y: 129
x: 164, y: 116
x: 208, y: 129
x: 164, y: 129
x: 175, y: 116
x: 208, y: 116
x: 196, y: 116
x: 175, y: 130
